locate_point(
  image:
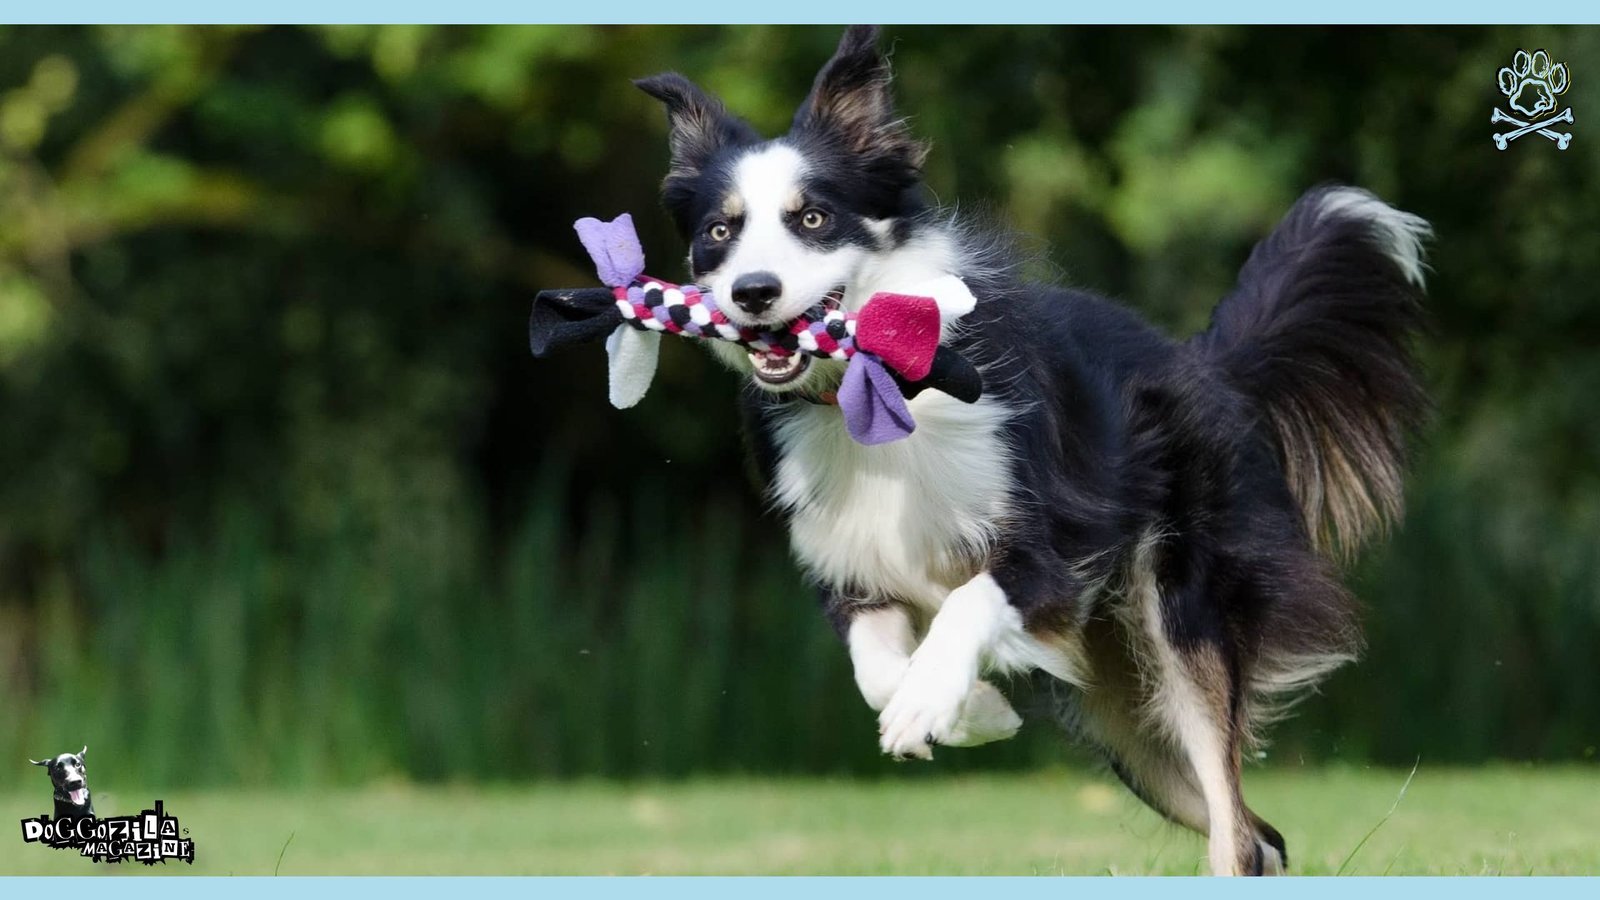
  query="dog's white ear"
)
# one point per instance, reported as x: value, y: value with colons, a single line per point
x: 40, y: 762
x: 83, y: 751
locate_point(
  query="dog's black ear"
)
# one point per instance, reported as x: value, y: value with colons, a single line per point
x: 851, y: 101
x: 83, y: 751
x: 699, y: 124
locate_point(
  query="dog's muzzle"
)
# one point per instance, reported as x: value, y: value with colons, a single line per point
x: 774, y: 369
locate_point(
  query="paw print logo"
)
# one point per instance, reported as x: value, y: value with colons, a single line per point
x: 1531, y: 85
x: 1532, y: 82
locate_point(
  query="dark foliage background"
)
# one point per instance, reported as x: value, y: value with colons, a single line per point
x: 283, y: 490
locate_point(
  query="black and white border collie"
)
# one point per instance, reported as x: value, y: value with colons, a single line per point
x: 1152, y: 524
x: 69, y: 778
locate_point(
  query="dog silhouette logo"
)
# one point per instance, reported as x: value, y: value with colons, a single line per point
x: 1532, y: 84
x: 153, y: 836
x: 69, y: 776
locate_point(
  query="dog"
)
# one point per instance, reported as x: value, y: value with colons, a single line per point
x: 1152, y: 527
x: 70, y: 778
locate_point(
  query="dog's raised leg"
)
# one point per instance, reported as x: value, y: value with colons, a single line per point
x: 882, y: 642
x: 939, y: 699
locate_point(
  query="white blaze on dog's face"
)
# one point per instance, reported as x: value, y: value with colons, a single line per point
x: 777, y: 246
x: 778, y: 227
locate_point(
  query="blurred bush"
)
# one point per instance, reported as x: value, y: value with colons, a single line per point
x: 283, y: 488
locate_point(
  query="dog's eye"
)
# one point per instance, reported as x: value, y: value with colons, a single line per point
x: 718, y: 232
x: 813, y: 218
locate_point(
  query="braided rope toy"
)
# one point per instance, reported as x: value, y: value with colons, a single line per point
x: 891, y: 345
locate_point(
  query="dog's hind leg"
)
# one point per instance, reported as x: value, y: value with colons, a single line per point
x: 1164, y: 703
x: 1114, y: 714
x: 1160, y: 775
x: 1194, y: 701
x: 1196, y: 696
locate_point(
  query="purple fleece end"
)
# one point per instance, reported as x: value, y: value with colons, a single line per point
x: 875, y: 412
x: 615, y: 248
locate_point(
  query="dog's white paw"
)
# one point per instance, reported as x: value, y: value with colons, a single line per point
x: 924, y: 710
x: 986, y: 716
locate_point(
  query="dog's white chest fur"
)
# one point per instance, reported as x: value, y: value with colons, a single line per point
x: 908, y: 520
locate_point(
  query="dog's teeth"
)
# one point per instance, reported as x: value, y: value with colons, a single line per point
x: 776, y: 369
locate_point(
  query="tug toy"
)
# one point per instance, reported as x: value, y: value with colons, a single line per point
x: 891, y: 346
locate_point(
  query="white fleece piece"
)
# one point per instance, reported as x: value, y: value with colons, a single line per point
x: 949, y: 292
x: 633, y: 354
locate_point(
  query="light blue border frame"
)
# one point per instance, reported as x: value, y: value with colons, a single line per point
x: 723, y: 888
x: 1171, y: 12
x: 1390, y: 12
x: 750, y: 888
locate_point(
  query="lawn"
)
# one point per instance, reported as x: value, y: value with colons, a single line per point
x: 1504, y: 820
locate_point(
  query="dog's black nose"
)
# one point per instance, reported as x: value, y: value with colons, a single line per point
x: 755, y: 291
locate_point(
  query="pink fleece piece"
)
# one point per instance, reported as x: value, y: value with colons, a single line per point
x: 902, y: 330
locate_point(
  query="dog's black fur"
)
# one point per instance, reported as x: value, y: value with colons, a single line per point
x: 68, y: 774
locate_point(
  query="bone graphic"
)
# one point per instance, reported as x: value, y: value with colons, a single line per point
x: 1562, y: 139
x: 1502, y: 140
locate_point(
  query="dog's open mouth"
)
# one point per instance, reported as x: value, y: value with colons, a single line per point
x: 775, y: 369
x: 78, y: 796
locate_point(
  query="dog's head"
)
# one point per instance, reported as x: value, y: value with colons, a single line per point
x: 776, y: 227
x: 69, y: 776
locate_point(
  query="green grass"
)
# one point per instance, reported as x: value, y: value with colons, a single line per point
x: 1451, y: 822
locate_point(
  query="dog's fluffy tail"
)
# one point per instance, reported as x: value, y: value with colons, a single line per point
x: 1318, y: 332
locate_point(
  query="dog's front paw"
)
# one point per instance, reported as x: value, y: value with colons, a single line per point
x: 879, y: 679
x: 986, y: 716
x: 924, y: 710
